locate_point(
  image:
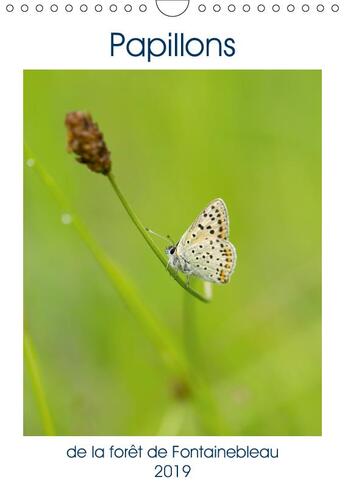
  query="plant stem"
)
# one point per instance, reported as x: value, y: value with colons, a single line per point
x: 190, y: 332
x: 37, y: 384
x: 150, y: 242
x: 191, y: 345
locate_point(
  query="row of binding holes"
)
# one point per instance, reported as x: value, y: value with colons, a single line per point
x: 202, y: 8
x: 69, y: 8
x: 261, y: 8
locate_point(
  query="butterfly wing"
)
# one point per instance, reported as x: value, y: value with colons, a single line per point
x: 212, y: 223
x: 205, y: 244
x: 213, y: 260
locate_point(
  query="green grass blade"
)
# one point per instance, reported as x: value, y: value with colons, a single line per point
x: 37, y: 384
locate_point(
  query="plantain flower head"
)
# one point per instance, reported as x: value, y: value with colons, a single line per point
x: 86, y: 141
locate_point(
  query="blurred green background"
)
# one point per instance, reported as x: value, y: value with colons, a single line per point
x: 178, y: 139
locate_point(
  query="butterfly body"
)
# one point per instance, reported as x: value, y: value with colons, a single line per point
x: 204, y: 249
x: 178, y: 261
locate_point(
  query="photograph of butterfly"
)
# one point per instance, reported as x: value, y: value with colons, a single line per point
x: 219, y: 331
x: 204, y: 250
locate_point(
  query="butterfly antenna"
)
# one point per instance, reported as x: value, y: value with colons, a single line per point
x: 167, y: 238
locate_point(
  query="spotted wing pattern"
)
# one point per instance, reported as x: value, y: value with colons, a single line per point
x: 205, y: 246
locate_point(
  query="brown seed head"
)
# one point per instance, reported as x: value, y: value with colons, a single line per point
x: 86, y: 140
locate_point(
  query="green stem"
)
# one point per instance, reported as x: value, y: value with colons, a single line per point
x: 150, y: 242
x: 35, y: 375
x: 190, y: 332
x: 201, y: 388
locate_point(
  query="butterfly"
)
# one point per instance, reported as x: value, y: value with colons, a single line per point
x: 204, y: 250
